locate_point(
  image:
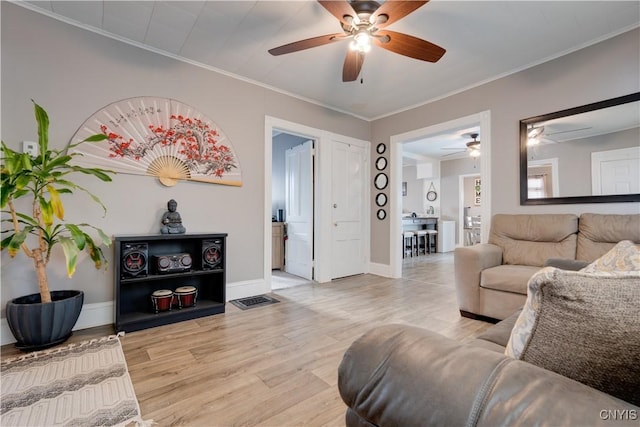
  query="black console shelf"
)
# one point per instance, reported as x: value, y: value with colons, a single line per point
x: 147, y: 263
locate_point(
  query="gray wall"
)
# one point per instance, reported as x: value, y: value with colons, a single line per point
x: 601, y: 71
x: 73, y: 73
x: 413, y: 201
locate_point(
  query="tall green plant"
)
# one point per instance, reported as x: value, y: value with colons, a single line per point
x: 43, y: 179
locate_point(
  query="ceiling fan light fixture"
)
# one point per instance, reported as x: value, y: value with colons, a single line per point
x: 533, y: 135
x: 474, y: 153
x: 361, y: 42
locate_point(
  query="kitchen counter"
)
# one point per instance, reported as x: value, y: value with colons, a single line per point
x: 418, y: 222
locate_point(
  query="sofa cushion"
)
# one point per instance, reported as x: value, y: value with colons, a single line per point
x: 584, y: 326
x: 601, y: 232
x: 487, y: 345
x: 500, y: 332
x: 508, y: 278
x: 566, y: 264
x: 532, y: 239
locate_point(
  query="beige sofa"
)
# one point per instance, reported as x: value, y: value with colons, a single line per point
x: 491, y: 279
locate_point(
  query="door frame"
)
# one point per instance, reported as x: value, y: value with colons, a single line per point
x: 322, y: 224
x: 395, y: 191
x: 461, y: 231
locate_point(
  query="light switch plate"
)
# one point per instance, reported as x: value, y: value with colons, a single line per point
x: 30, y: 147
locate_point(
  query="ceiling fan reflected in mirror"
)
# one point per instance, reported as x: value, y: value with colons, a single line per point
x: 538, y: 134
x: 473, y: 147
x: 363, y: 23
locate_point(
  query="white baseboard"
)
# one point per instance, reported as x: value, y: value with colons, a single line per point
x: 103, y: 313
x: 247, y: 288
x: 383, y: 270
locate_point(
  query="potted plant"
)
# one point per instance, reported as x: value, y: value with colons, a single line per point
x: 36, y: 226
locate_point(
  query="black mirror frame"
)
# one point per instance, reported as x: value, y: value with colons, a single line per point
x: 524, y: 194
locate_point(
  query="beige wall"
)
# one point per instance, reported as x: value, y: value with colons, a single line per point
x: 605, y: 70
x: 73, y: 73
x: 412, y: 202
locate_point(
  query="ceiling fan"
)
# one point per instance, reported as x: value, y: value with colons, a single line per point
x: 473, y: 147
x: 538, y: 134
x: 363, y: 23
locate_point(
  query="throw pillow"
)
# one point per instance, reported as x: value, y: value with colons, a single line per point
x: 584, y: 326
x: 625, y: 256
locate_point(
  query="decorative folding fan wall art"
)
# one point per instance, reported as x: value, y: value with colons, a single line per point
x: 158, y: 137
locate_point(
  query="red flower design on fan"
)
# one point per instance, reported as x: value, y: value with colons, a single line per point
x: 196, y: 143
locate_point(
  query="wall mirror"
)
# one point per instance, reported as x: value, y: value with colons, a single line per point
x: 381, y: 199
x: 381, y: 180
x: 587, y: 154
x: 381, y: 163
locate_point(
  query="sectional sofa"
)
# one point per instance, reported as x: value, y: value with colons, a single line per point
x: 491, y: 278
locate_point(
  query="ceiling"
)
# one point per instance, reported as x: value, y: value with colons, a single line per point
x: 484, y: 41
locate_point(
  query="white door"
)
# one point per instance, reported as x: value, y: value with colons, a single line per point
x: 616, y: 171
x: 299, y: 210
x: 348, y: 189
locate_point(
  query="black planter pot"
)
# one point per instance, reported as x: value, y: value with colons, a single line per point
x: 36, y: 325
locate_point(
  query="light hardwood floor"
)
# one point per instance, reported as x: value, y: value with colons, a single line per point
x: 276, y: 365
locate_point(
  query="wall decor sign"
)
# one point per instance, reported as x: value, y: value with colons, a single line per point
x: 477, y: 188
x: 159, y: 137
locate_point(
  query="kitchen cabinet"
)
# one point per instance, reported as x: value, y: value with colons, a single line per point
x: 277, y: 246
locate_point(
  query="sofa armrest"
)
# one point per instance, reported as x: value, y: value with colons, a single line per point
x: 469, y: 261
x: 399, y: 375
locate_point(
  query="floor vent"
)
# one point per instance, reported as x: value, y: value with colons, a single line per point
x: 252, y: 302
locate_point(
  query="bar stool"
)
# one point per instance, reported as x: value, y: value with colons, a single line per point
x: 422, y: 235
x: 407, y: 246
x: 432, y: 234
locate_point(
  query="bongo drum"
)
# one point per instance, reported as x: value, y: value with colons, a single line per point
x: 186, y: 296
x: 162, y: 300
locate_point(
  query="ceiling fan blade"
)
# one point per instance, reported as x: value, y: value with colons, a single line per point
x: 394, y: 10
x: 352, y: 65
x: 307, y: 44
x: 339, y: 9
x: 407, y: 45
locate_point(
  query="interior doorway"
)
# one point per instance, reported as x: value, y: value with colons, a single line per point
x: 483, y: 120
x: 292, y: 209
x: 332, y: 230
x: 470, y: 215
